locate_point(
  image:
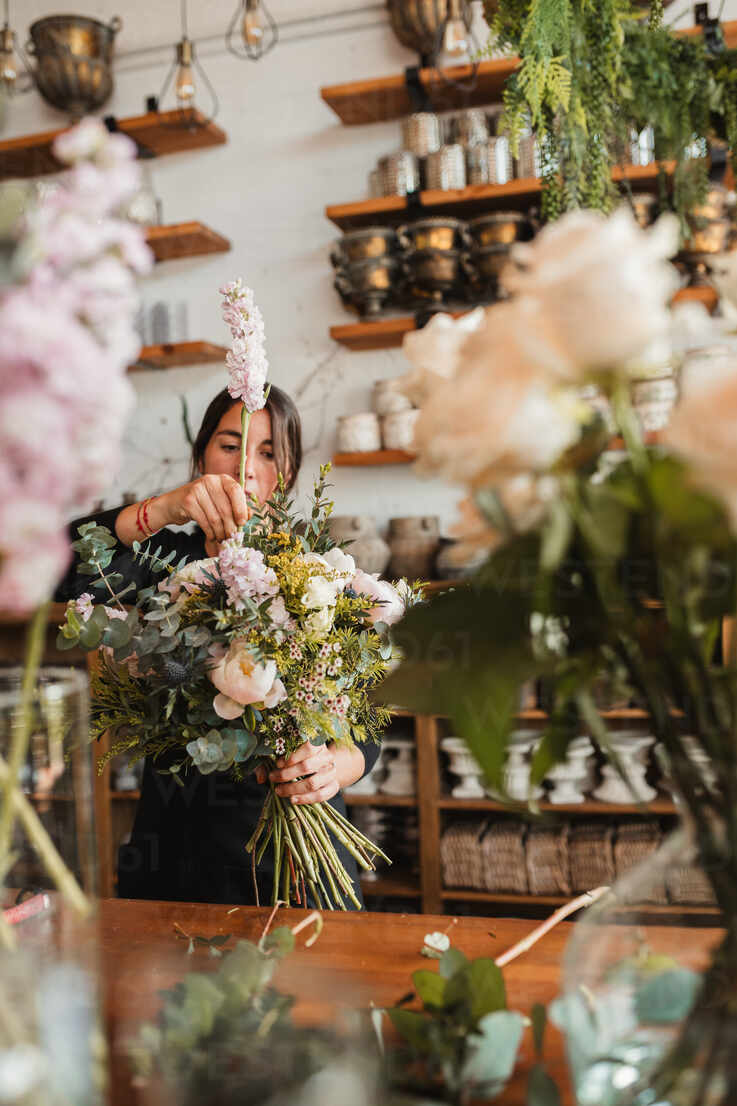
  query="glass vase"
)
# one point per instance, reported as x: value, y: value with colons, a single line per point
x: 51, y: 1045
x: 650, y: 1012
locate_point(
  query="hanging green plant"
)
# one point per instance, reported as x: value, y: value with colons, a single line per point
x: 592, y: 73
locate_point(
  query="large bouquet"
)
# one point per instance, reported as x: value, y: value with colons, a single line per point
x: 233, y: 662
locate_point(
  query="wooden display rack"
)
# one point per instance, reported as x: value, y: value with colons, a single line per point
x: 178, y: 240
x: 172, y: 355
x: 156, y: 133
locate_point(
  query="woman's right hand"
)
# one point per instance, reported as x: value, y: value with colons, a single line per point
x: 217, y: 503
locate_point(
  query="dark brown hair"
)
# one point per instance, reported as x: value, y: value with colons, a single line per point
x: 286, y: 431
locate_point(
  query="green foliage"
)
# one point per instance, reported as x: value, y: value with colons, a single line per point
x: 227, y: 1036
x: 463, y: 1036
x: 590, y: 72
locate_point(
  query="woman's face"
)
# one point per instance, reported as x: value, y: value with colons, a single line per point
x: 223, y: 452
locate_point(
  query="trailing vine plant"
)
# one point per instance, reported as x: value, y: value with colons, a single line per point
x: 594, y: 71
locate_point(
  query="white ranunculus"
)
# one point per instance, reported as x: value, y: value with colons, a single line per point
x: 703, y: 428
x: 320, y: 622
x: 594, y: 290
x: 341, y: 563
x: 435, y: 352
x: 499, y: 416
x: 319, y: 592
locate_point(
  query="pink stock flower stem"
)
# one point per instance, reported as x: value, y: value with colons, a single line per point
x: 245, y: 421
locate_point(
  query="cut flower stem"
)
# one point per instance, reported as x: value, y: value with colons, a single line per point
x: 304, y: 852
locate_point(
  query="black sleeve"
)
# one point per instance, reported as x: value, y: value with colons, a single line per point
x: 75, y: 584
x: 370, y: 750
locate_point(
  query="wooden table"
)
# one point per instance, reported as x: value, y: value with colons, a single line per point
x: 358, y: 959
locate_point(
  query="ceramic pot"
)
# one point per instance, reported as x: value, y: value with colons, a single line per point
x: 368, y: 549
x: 359, y: 433
x: 398, y: 429
x: 387, y: 399
x: 414, y: 543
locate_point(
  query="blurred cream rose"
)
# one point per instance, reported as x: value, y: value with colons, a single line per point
x: 594, y: 290
x: 435, y: 351
x: 389, y: 606
x: 499, y: 416
x: 241, y: 680
x: 703, y: 428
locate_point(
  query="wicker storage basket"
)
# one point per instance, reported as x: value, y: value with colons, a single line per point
x: 591, y: 855
x: 460, y: 855
x: 635, y: 842
x: 503, y: 857
x: 548, y: 869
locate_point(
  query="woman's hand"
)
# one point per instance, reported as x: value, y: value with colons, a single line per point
x: 316, y: 764
x: 217, y: 503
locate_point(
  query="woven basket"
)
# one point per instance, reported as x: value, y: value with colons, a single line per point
x: 503, y: 857
x: 636, y: 841
x: 460, y: 855
x: 689, y: 885
x: 548, y: 869
x: 591, y: 855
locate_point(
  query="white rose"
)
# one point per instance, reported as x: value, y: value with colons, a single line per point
x: 703, y: 428
x: 596, y: 290
x: 240, y: 679
x: 341, y: 563
x: 319, y: 622
x: 319, y: 592
x: 389, y: 606
x: 435, y: 352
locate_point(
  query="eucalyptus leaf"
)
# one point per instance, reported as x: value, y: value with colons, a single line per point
x: 493, y: 1052
x: 667, y: 997
x: 413, y: 1027
x: 430, y: 986
x: 451, y: 961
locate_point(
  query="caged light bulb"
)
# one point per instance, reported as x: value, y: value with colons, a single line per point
x: 253, y: 24
x: 8, y: 61
x: 455, y: 33
x: 184, y: 87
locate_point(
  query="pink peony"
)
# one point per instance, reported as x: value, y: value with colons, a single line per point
x: 241, y: 680
x: 389, y: 606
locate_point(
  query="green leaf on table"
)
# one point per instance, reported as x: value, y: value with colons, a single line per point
x: 413, y: 1027
x: 280, y: 941
x: 493, y: 1051
x: 430, y: 986
x: 667, y: 997
x: 480, y: 984
x: 542, y: 1090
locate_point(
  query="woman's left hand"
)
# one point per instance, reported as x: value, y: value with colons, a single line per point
x: 316, y: 763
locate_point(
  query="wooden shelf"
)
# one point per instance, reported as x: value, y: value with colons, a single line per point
x: 374, y: 457
x: 433, y: 586
x: 184, y: 240
x: 397, y: 886
x: 155, y: 134
x: 377, y: 799
x: 661, y: 805
x: 389, y: 333
x: 383, y: 98
x: 476, y: 199
x: 135, y: 795
x: 650, y: 909
x: 173, y: 354
x: 42, y: 797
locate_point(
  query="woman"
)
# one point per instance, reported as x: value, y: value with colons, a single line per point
x: 187, y: 843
